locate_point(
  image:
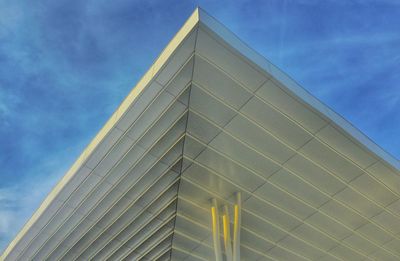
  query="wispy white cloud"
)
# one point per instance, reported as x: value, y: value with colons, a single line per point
x: 18, y: 202
x: 10, y: 17
x: 8, y: 102
x: 8, y: 198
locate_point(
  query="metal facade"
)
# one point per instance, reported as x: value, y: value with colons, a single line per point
x: 211, y: 118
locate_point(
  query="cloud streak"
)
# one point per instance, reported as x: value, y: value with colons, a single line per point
x: 18, y: 202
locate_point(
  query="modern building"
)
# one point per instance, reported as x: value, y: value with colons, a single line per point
x: 218, y: 155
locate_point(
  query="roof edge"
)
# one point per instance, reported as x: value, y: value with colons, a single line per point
x: 295, y: 88
x: 157, y: 65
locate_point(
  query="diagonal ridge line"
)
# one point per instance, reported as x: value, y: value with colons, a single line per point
x: 185, y: 131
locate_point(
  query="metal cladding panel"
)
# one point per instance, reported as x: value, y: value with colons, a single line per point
x: 209, y: 119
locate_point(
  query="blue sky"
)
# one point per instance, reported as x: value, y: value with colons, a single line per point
x: 66, y: 65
